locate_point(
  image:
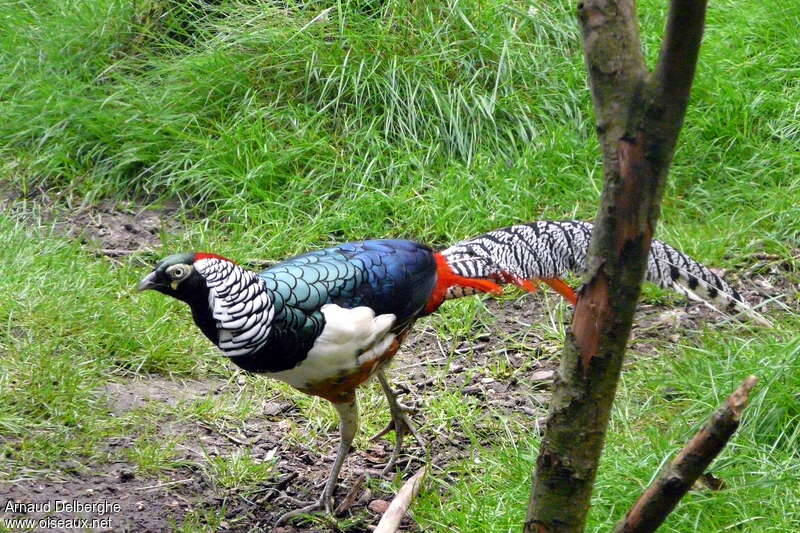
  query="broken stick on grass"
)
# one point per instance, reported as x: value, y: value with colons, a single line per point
x: 390, y: 520
x: 678, y: 477
x: 352, y: 496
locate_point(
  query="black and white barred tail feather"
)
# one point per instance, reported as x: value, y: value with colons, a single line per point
x: 554, y: 249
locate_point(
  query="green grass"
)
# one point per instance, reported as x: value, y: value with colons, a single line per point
x: 661, y: 405
x: 430, y: 120
x: 239, y: 471
x: 152, y: 454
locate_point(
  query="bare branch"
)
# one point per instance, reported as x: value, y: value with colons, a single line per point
x: 677, y: 478
x: 613, y: 54
x: 672, y: 80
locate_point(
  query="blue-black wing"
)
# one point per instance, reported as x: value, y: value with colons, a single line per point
x: 388, y: 276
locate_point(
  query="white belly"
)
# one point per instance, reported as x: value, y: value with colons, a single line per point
x: 350, y: 339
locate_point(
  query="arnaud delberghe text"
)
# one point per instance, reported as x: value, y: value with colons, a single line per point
x: 100, y: 508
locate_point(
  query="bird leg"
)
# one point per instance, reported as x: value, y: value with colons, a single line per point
x: 348, y: 426
x: 400, y: 423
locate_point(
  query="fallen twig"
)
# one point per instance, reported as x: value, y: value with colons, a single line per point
x: 276, y: 489
x: 116, y: 252
x: 390, y: 520
x: 439, y: 361
x: 352, y: 496
x: 168, y: 484
x: 222, y: 433
x: 678, y: 477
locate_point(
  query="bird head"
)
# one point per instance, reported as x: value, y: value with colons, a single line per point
x: 177, y: 276
x: 230, y: 305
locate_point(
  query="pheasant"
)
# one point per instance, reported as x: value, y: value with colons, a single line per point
x: 328, y: 320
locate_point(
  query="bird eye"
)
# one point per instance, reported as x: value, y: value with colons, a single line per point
x: 178, y: 272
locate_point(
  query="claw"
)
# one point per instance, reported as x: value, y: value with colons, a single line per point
x: 348, y: 425
x: 294, y: 501
x: 402, y: 426
x: 323, y: 503
x: 400, y: 423
x: 391, y: 425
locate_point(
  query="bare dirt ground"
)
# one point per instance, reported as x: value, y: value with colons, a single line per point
x: 111, y: 228
x: 150, y: 504
x: 427, y: 364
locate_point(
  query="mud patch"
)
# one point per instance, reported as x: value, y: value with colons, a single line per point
x: 426, y: 366
x: 108, y: 500
x: 112, y: 228
x: 138, y: 393
x: 117, y: 230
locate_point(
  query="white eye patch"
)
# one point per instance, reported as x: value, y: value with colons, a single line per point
x: 178, y: 273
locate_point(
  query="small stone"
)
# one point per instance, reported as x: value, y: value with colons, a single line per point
x: 374, y: 459
x: 365, y: 497
x: 542, y: 375
x: 378, y: 506
x: 671, y: 394
x: 274, y: 408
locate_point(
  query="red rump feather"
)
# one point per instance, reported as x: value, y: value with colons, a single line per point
x: 203, y: 255
x: 446, y: 278
x: 530, y: 285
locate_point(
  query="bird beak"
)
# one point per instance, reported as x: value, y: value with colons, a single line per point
x: 148, y: 282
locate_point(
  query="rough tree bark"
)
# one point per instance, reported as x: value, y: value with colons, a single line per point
x: 639, y: 117
x: 661, y: 497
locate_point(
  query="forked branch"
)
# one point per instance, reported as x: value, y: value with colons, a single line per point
x: 638, y: 117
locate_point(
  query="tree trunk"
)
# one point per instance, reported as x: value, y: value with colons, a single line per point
x: 638, y: 117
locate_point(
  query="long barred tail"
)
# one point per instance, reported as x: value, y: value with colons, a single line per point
x: 547, y: 251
